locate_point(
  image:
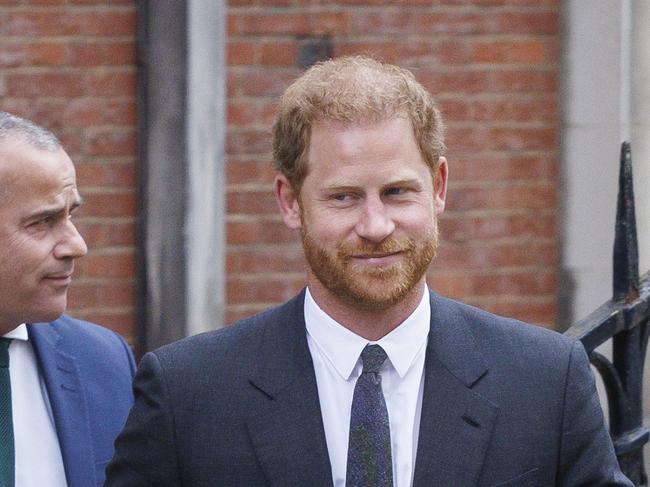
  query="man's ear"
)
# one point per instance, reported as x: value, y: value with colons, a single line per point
x: 287, y: 202
x: 440, y: 185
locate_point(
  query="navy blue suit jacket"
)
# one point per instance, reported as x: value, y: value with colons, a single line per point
x: 88, y: 371
x: 505, y: 404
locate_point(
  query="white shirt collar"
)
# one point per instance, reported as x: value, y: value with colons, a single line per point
x: 18, y: 333
x: 342, y: 347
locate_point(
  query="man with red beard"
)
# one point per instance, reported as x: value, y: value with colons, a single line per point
x: 366, y: 378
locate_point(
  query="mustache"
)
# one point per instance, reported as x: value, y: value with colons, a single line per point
x: 389, y: 246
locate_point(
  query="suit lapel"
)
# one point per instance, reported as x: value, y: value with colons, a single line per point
x: 456, y: 422
x: 68, y: 402
x: 288, y: 428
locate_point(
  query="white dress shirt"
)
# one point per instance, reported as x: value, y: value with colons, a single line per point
x: 38, y: 454
x: 336, y: 351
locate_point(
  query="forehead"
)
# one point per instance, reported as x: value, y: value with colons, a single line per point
x: 28, y: 173
x: 384, y: 145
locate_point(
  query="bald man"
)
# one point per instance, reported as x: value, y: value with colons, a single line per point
x: 65, y: 384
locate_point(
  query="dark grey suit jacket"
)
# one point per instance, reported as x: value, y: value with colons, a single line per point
x: 505, y: 404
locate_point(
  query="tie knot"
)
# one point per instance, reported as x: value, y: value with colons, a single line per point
x: 4, y: 352
x: 373, y: 356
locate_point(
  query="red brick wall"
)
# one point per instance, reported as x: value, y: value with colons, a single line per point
x: 492, y: 65
x: 69, y: 65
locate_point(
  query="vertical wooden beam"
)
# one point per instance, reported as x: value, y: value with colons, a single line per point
x: 181, y: 131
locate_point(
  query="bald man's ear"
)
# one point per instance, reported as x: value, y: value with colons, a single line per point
x: 287, y: 202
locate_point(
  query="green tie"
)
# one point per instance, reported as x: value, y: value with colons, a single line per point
x: 6, y: 420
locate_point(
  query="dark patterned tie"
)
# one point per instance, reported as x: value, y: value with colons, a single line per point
x: 369, y: 456
x: 6, y: 419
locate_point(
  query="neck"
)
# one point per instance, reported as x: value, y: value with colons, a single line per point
x: 369, y: 324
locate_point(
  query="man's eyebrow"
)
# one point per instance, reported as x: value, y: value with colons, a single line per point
x: 403, y: 182
x: 52, y: 211
x: 44, y: 213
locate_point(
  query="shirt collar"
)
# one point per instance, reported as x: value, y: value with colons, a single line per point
x: 342, y: 347
x: 18, y: 333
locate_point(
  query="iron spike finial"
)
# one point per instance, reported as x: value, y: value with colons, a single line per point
x: 626, y: 250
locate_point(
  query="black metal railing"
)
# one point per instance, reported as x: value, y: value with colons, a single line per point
x: 624, y: 319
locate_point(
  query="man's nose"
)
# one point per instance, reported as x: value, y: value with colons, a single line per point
x: 375, y: 224
x: 72, y: 244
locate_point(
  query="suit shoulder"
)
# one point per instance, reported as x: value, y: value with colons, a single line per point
x: 80, y: 331
x: 234, y: 343
x: 505, y: 336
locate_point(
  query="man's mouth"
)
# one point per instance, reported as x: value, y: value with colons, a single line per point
x: 379, y: 258
x: 59, y: 277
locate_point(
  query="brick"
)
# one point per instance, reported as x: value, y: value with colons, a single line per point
x: 45, y: 54
x: 484, y: 256
x: 116, y: 294
x: 107, y: 265
x: 46, y: 111
x: 32, y: 2
x: 236, y: 313
x: 115, y: 204
x: 528, y: 283
x: 104, y: 23
x: 263, y: 23
x: 89, y: 294
x: 251, y: 202
x: 69, y: 23
x: 253, y: 232
x: 520, y: 109
x: 530, y: 81
x: 120, y: 320
x: 534, y: 51
x: 250, y: 171
x: 92, y: 112
x: 243, y: 113
x: 251, y: 141
x: 330, y: 23
x: 106, y: 174
x: 510, y: 167
x: 411, y: 53
x: 457, y: 82
x: 259, y: 82
x: 286, y: 258
x: 72, y: 139
x: 82, y: 295
x: 523, y: 225
x: 100, y: 234
x: 474, y: 80
x: 267, y: 290
x: 442, y: 3
x: 233, y: 4
x: 501, y: 198
x: 278, y: 53
x: 390, y: 22
x: 242, y: 52
x: 542, y: 311
x: 106, y: 53
x: 501, y: 138
x: 111, y: 143
x: 495, y: 284
x: 110, y: 83
x: 36, y: 84
x: 100, y: 2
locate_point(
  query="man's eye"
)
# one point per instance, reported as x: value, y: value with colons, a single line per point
x: 395, y: 191
x: 342, y: 197
x: 46, y: 220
